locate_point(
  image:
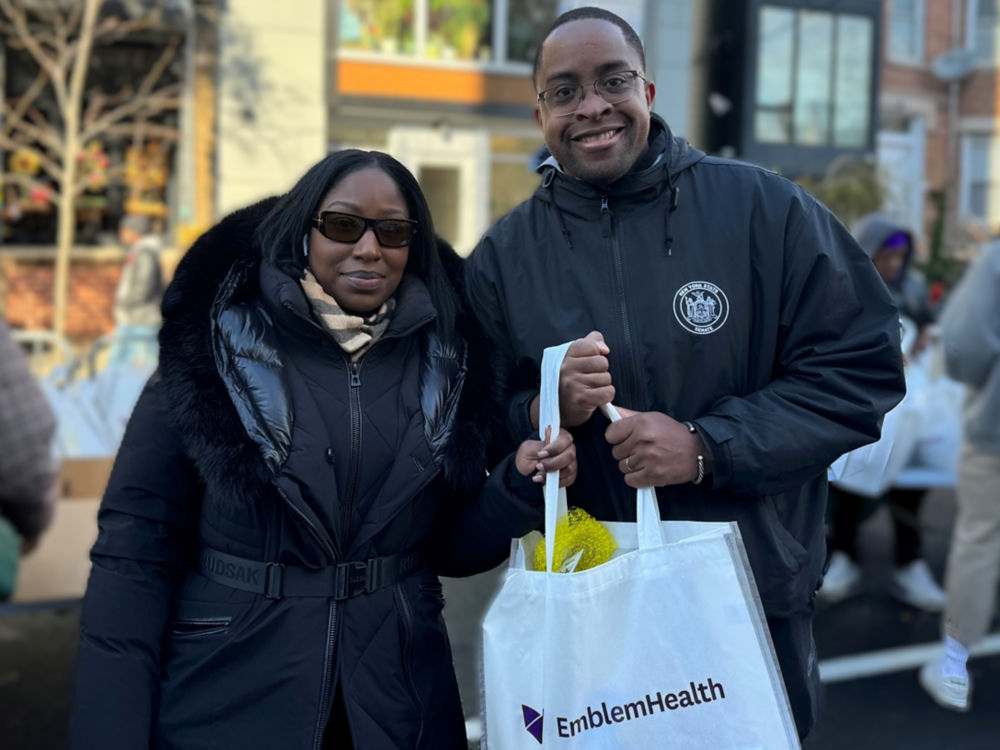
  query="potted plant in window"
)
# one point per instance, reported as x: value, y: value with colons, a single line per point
x: 462, y: 23
x: 390, y: 17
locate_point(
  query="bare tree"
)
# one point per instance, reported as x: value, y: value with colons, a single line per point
x: 60, y: 37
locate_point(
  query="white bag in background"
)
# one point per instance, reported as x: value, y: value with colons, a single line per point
x: 921, y: 437
x: 871, y: 469
x: 664, y: 646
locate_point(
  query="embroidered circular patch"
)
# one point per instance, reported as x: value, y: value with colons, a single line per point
x: 701, y: 307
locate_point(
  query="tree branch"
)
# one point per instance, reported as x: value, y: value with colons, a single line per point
x: 114, y: 28
x: 150, y: 129
x: 159, y: 101
x: 13, y: 115
x: 153, y: 77
x: 35, y: 134
x: 19, y: 19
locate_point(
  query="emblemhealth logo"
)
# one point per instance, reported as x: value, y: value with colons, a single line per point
x: 532, y: 722
x: 645, y: 707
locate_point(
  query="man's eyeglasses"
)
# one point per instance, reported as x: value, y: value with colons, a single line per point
x: 341, y: 227
x: 613, y: 88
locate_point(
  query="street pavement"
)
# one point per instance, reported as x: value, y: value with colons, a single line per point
x: 869, y: 649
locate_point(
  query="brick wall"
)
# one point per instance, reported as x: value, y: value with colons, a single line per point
x: 979, y: 95
x: 28, y: 290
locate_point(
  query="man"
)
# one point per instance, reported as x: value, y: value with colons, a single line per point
x: 747, y: 335
x: 27, y: 466
x: 970, y: 329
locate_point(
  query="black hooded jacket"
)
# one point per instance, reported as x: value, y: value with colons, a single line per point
x: 259, y: 439
x: 728, y: 297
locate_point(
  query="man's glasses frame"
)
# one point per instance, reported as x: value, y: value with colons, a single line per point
x: 575, y: 91
x: 360, y: 226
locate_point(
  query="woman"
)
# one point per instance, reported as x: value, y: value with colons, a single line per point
x: 308, y: 458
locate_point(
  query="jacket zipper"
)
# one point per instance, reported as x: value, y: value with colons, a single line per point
x: 631, y: 395
x: 408, y: 625
x: 354, y: 379
x: 324, y: 695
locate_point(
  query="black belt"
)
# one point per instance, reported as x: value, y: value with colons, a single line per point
x: 276, y: 580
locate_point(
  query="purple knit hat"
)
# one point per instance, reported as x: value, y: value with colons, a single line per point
x: 896, y: 242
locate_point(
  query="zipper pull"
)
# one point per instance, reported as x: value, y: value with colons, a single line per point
x: 355, y: 375
x: 605, y: 217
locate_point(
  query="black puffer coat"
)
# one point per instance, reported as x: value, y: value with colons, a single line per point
x: 259, y: 440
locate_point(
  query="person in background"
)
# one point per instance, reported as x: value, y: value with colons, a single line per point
x: 746, y: 335
x: 28, y: 467
x: 136, y: 308
x: 308, y: 458
x: 891, y: 247
x: 970, y: 331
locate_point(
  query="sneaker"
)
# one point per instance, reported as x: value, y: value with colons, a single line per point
x: 842, y: 579
x: 915, y: 585
x: 947, y: 691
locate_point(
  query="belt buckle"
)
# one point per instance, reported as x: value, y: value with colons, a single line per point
x: 348, y: 587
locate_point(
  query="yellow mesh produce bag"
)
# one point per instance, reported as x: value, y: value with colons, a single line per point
x: 581, y: 542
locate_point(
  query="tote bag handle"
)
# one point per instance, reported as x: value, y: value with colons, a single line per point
x: 647, y: 509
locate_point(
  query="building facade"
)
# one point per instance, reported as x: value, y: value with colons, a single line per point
x: 937, y: 117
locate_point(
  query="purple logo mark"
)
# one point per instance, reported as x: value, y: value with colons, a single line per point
x: 532, y: 722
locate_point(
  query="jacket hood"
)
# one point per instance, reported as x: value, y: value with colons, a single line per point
x: 226, y: 260
x: 872, y: 230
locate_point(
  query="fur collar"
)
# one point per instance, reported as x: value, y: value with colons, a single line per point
x: 195, y: 395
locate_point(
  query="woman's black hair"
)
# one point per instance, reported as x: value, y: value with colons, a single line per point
x: 281, y: 231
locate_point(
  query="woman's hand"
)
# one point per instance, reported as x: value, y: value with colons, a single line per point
x: 535, y: 456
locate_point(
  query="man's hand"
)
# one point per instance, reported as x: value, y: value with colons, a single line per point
x: 584, y: 381
x: 654, y: 450
x: 534, y: 456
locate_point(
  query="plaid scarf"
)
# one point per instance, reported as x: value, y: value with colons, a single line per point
x: 353, y: 333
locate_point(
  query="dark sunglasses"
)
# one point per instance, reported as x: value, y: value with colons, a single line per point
x: 341, y: 227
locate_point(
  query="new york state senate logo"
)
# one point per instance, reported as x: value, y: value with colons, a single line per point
x: 701, y: 307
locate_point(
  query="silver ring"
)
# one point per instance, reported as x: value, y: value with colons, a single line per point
x: 627, y: 467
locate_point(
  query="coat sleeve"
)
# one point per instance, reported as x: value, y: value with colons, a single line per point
x: 485, y: 297
x: 147, y: 529
x: 474, y: 536
x: 970, y: 325
x: 27, y: 466
x: 838, y: 366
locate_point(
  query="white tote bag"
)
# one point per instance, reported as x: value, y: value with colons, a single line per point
x: 664, y: 646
